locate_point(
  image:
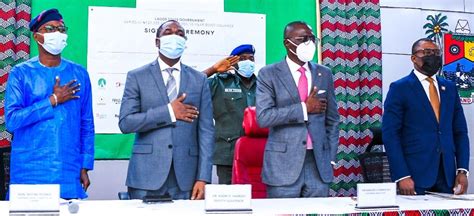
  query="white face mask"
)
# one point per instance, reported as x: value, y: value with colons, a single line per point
x: 54, y: 42
x: 305, y: 51
x: 172, y: 46
x: 246, y: 68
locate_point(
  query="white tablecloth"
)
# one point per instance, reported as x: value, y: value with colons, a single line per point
x: 332, y: 205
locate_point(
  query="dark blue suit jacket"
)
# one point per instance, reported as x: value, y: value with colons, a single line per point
x: 414, y: 141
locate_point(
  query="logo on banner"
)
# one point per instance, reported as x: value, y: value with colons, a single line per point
x: 119, y: 84
x: 101, y: 101
x: 102, y: 82
x: 458, y: 53
x: 459, y: 60
x: 100, y: 116
x: 116, y: 100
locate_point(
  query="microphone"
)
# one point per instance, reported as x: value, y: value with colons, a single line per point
x: 72, y: 207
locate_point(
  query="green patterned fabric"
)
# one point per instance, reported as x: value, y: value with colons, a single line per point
x: 351, y: 46
x: 14, y: 48
x: 15, y: 16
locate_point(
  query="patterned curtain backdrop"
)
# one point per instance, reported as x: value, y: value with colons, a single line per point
x: 15, y: 16
x: 351, y: 46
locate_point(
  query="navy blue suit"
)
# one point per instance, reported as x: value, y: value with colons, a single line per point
x: 416, y: 144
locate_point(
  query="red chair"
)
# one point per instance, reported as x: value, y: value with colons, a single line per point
x: 248, y: 156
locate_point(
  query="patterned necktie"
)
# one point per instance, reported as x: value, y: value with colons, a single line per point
x: 434, y: 99
x: 171, y: 89
x: 303, y: 91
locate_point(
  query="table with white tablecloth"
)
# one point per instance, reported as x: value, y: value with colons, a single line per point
x: 417, y: 205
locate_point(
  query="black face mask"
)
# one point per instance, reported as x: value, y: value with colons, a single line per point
x: 431, y: 64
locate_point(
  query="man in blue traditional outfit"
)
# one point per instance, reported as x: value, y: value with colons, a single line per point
x: 48, y: 107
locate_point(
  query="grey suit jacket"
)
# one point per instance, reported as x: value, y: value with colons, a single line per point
x: 279, y: 108
x: 159, y: 142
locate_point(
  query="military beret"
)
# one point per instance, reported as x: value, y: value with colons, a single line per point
x: 44, y: 17
x: 244, y: 48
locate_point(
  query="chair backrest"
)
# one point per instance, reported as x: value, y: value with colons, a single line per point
x: 123, y: 195
x: 248, y: 156
x: 250, y: 124
x: 375, y: 168
x: 4, y: 171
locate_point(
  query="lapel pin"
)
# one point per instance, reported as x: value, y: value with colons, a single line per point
x: 443, y: 88
x: 319, y: 74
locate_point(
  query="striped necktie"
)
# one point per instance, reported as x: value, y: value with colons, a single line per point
x: 171, y: 88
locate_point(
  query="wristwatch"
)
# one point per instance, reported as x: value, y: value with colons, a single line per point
x: 464, y: 172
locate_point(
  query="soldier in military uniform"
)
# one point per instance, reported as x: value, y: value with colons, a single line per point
x: 232, y: 90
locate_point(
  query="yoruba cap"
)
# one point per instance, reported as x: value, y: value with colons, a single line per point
x: 44, y: 17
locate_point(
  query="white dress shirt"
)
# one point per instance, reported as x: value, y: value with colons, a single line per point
x: 426, y: 84
x: 176, y: 74
x: 296, y: 77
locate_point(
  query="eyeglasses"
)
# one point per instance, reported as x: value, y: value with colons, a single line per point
x: 428, y: 52
x: 305, y: 39
x: 183, y: 36
x: 49, y: 29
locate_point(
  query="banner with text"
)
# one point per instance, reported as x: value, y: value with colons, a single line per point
x: 122, y: 39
